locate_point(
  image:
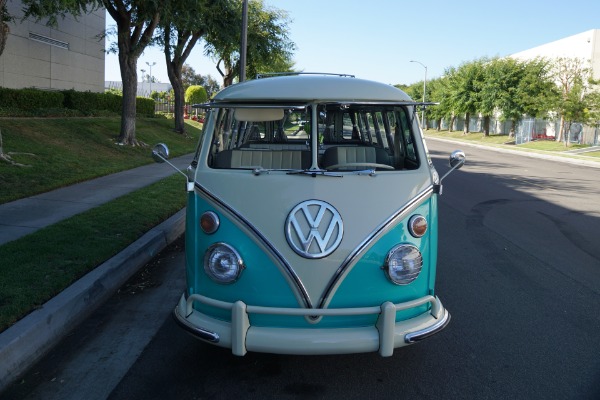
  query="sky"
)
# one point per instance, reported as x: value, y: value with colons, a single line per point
x: 377, y: 39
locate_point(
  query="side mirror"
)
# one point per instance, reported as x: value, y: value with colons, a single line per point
x: 160, y: 153
x: 457, y: 160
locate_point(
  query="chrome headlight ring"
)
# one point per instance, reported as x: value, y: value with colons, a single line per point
x: 403, y: 264
x: 222, y: 263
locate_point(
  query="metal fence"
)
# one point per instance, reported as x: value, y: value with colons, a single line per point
x: 168, y: 107
x: 527, y: 129
x: 540, y: 129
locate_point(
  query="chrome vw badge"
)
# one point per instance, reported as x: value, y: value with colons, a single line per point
x: 314, y: 229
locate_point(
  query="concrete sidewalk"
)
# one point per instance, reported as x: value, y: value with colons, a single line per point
x: 22, y: 217
x: 23, y: 344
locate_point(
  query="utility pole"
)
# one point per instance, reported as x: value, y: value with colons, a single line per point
x: 150, y: 80
x: 244, y: 41
x: 423, y: 126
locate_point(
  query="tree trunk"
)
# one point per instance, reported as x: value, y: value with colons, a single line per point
x: 486, y: 125
x: 467, y: 120
x: 561, y: 131
x: 133, y: 35
x: 128, y: 64
x: 129, y: 79
x: 511, y: 133
x: 179, y: 104
x: 4, y: 30
x: 439, y: 124
x: 174, y: 68
x: 229, y: 73
x: 451, y: 125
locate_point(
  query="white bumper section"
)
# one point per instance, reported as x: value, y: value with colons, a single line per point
x: 240, y: 336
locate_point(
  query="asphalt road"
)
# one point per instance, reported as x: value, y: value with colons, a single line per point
x: 519, y: 270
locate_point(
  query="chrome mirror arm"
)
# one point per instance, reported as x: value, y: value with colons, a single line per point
x: 160, y: 154
x: 156, y: 154
x: 457, y: 160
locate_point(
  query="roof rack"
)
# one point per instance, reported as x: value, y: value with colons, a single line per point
x: 271, y: 74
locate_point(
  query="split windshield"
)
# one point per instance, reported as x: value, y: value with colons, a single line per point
x: 350, y: 138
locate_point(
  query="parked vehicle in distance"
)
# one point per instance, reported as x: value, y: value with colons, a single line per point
x: 311, y: 222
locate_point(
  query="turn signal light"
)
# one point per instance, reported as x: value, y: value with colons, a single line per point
x: 209, y: 222
x: 417, y: 225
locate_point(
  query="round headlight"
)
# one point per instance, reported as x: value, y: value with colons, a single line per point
x: 417, y: 225
x: 403, y: 264
x: 222, y: 263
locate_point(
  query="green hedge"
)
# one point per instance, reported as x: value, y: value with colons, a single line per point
x: 29, y: 99
x: 145, y: 106
x: 88, y: 103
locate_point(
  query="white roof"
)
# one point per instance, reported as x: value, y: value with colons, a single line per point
x: 309, y: 88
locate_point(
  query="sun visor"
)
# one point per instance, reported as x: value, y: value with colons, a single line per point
x: 258, y: 114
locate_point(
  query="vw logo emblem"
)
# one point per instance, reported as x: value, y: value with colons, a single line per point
x: 314, y: 229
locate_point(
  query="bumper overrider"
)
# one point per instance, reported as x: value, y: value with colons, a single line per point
x: 241, y: 337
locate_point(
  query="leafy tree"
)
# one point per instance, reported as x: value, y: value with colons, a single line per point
x: 269, y: 47
x: 504, y: 78
x: 415, y: 91
x: 537, y: 92
x: 155, y: 95
x: 437, y: 93
x: 190, y: 77
x: 136, y: 21
x: 180, y: 31
x: 571, y: 75
x: 463, y: 86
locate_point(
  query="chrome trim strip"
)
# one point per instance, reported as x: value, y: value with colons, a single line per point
x: 268, y: 245
x: 427, y: 332
x: 378, y: 232
x: 225, y: 104
x: 198, y: 332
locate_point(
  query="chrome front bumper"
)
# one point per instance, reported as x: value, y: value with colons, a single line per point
x: 240, y: 336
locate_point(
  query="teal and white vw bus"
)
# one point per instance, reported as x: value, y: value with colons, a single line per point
x: 311, y: 220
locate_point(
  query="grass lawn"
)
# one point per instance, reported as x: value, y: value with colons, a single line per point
x: 40, y: 265
x: 475, y: 137
x: 62, y: 151
x: 505, y: 140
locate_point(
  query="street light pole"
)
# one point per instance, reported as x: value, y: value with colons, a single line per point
x: 424, y: 89
x: 244, y: 41
x: 150, y: 80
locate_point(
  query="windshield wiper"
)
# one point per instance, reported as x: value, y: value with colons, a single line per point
x: 370, y: 172
x: 315, y: 172
x: 260, y: 170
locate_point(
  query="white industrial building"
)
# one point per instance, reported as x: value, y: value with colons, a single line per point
x: 584, y: 46
x: 69, y: 56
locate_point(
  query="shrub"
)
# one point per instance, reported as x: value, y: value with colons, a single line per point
x: 145, y: 107
x: 35, y: 102
x: 195, y: 94
x: 86, y: 102
x: 30, y: 99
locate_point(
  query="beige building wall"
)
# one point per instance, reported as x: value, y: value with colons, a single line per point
x: 585, y: 45
x: 70, y: 56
